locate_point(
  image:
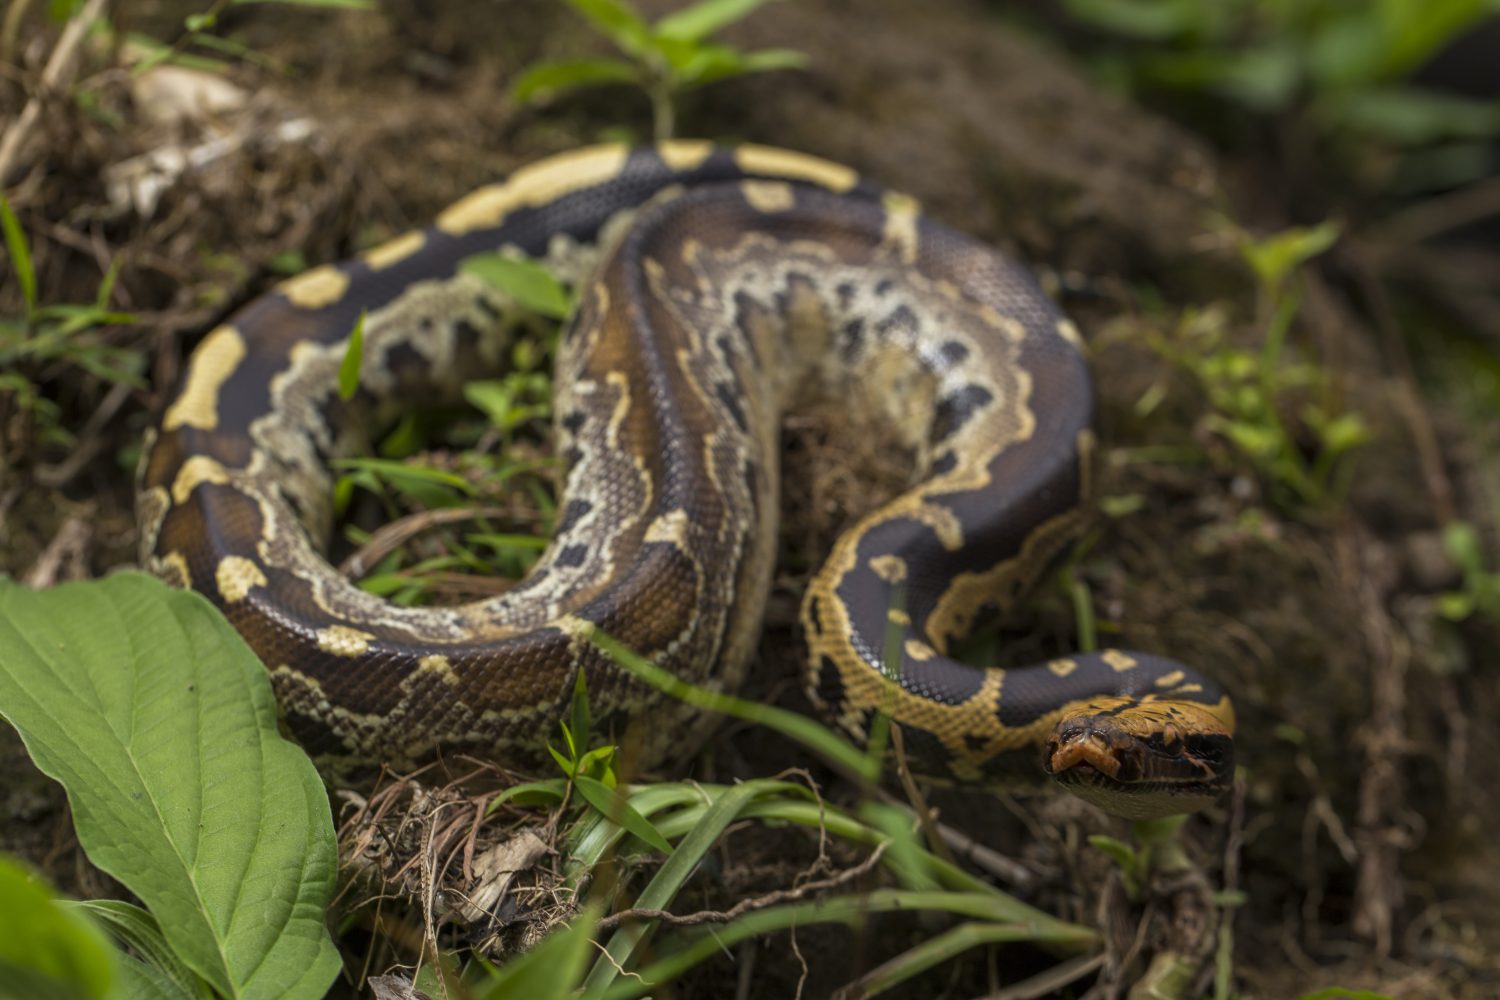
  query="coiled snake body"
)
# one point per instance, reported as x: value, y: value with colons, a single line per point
x: 731, y: 286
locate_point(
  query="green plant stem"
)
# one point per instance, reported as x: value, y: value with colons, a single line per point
x: 850, y: 910
x: 663, y: 110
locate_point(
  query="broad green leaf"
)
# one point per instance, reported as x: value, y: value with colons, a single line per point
x: 20, y: 254
x: 529, y: 283
x: 612, y: 804
x: 619, y: 22
x: 160, y: 724
x: 353, y: 357
x: 46, y: 949
x: 551, y: 970
x: 545, y: 79
x: 699, y: 20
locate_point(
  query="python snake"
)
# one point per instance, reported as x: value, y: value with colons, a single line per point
x: 730, y: 286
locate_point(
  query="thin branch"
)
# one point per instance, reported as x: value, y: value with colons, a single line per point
x: 744, y: 906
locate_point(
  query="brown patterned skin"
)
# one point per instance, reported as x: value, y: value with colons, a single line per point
x: 731, y: 287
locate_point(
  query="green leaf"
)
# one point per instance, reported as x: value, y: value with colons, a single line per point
x: 619, y: 22
x: 1149, y: 21
x: 20, y: 254
x: 1456, y: 605
x: 1461, y: 542
x: 160, y: 724
x: 1409, y: 116
x: 1118, y: 851
x: 529, y: 283
x: 163, y: 974
x: 46, y: 949
x: 551, y: 970
x: 543, y: 80
x: 699, y: 20
x: 406, y: 476
x: 532, y: 793
x: 1274, y: 258
x: 612, y: 804
x: 568, y: 765
x: 713, y: 63
x: 1340, y: 993
x: 334, y: 4
x: 582, y: 721
x: 811, y: 734
x: 353, y: 357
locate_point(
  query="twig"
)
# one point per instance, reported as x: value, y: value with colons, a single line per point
x: 90, y: 440
x: 918, y: 801
x: 1435, y: 216
x: 744, y: 906
x: 1408, y: 399
x: 11, y: 29
x: 1382, y: 792
x: 67, y: 548
x: 390, y: 537
x: 1012, y: 872
x: 59, y: 65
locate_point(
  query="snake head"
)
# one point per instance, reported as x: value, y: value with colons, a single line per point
x: 1143, y: 759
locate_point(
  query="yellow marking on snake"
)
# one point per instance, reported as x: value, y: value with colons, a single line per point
x: 891, y: 569
x: 1068, y: 330
x: 173, y: 568
x: 670, y: 527
x: 195, y: 472
x: 785, y: 163
x: 685, y: 154
x: 1118, y: 661
x: 1167, y: 680
x: 768, y: 196
x: 439, y: 666
x: 902, y: 213
x: 897, y: 617
x: 396, y: 250
x: 213, y: 362
x: 318, y: 288
x: 533, y: 186
x: 235, y: 576
x: 341, y: 640
x: 1062, y: 668
x: 919, y: 650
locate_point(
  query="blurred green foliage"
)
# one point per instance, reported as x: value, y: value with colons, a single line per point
x: 1346, y: 64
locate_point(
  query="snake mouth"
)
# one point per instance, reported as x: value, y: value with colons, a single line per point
x: 1110, y: 763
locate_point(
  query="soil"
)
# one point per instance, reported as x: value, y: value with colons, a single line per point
x: 1358, y: 841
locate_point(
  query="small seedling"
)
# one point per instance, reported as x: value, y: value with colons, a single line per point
x: 1479, y: 593
x: 665, y: 59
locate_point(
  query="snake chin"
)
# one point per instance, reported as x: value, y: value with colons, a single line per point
x: 1113, y: 764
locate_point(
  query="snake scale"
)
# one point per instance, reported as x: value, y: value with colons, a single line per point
x: 729, y: 287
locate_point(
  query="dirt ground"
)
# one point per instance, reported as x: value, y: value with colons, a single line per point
x: 1360, y: 836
